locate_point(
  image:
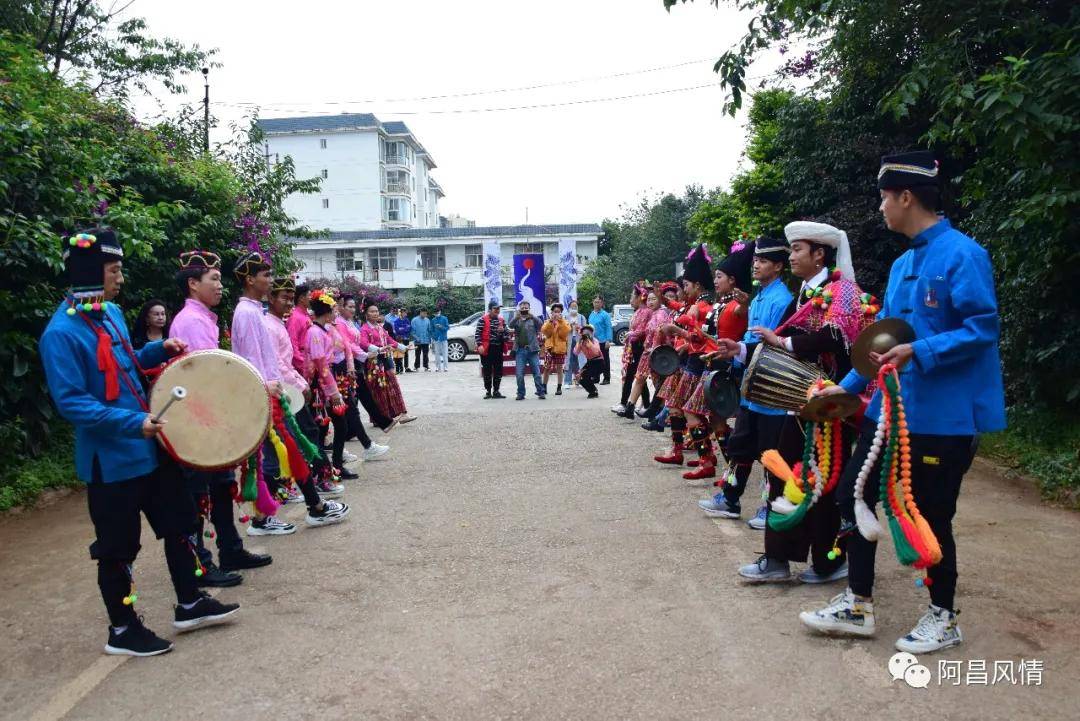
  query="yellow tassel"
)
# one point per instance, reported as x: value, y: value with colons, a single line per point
x: 282, y: 455
x: 792, y: 492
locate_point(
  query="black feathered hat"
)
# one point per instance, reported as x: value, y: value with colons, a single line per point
x: 738, y: 264
x: 912, y: 169
x: 775, y: 249
x: 85, y: 255
x: 696, y: 269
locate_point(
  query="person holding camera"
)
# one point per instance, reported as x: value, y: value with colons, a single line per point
x: 589, y: 348
x: 526, y: 329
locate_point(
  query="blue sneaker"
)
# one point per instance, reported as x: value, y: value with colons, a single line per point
x: 812, y: 576
x: 720, y: 507
x: 758, y: 521
x: 766, y: 570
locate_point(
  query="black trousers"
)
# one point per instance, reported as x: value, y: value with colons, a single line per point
x: 590, y: 374
x: 214, y: 488
x: 491, y: 368
x: 421, y: 348
x: 817, y: 533
x: 636, y: 349
x: 363, y: 396
x: 114, y: 510
x: 605, y: 348
x: 354, y: 426
x: 400, y: 364
x: 938, y: 465
x: 754, y: 434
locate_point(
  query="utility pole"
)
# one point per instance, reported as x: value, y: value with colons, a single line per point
x: 206, y: 110
x: 267, y: 147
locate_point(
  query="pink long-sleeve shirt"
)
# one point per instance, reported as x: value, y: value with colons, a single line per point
x: 297, y: 326
x: 251, y: 341
x: 196, y: 325
x: 374, y: 336
x: 350, y: 334
x: 658, y: 318
x: 283, y: 349
x: 638, y: 324
x: 319, y: 348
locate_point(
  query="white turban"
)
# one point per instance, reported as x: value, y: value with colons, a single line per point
x: 825, y: 235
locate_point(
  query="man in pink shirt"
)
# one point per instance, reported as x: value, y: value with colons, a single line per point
x: 297, y: 326
x: 251, y: 340
x: 196, y: 324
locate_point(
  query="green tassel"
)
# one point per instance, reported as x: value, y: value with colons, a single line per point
x: 904, y: 551
x: 780, y: 522
x: 250, y: 490
x: 307, y: 449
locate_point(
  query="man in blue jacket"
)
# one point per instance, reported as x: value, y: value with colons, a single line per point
x: 402, y: 330
x: 950, y: 376
x: 93, y: 377
x: 440, y: 326
x: 600, y: 320
x: 420, y: 331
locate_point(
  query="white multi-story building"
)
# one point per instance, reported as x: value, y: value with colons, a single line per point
x: 375, y: 175
x: 381, y: 206
x: 400, y: 259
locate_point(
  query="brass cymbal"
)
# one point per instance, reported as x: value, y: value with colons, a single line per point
x: 828, y: 408
x: 880, y: 337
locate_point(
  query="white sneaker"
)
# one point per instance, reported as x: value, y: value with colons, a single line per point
x: 374, y: 452
x: 332, y: 512
x: 936, y: 630
x: 270, y: 526
x: 349, y: 457
x: 293, y: 494
x: 405, y: 418
x: 618, y: 408
x: 845, y: 615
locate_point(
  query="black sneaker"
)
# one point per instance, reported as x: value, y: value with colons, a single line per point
x: 487, y: 395
x: 217, y: 578
x: 496, y: 394
x: 136, y: 640
x: 207, y: 610
x: 347, y: 475
x: 241, y: 559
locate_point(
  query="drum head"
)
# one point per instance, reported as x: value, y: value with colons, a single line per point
x: 224, y: 416
x: 721, y: 394
x: 296, y: 397
x: 664, y: 360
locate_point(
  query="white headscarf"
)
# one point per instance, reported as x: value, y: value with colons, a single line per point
x: 825, y: 235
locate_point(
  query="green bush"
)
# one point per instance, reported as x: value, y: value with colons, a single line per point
x: 1043, y: 445
x: 24, y: 481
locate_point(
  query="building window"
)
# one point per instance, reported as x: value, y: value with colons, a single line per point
x: 325, y: 174
x: 396, y: 181
x: 474, y: 256
x: 326, y: 202
x: 322, y: 143
x: 433, y: 262
x: 348, y: 260
x: 382, y: 258
x: 528, y: 248
x: 397, y: 210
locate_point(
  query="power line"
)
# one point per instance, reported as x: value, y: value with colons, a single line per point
x: 474, y: 93
x: 536, y: 106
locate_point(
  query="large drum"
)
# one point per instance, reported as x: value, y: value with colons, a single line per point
x: 218, y: 409
x: 777, y: 379
x: 664, y: 360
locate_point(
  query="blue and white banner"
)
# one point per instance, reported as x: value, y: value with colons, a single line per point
x: 492, y: 273
x: 568, y: 271
x: 529, y: 282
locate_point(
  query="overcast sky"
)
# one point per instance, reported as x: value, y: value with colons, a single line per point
x: 572, y: 163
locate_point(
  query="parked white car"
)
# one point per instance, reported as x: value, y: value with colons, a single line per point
x: 461, y: 338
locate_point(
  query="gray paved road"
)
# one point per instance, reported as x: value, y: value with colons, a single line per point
x: 528, y: 560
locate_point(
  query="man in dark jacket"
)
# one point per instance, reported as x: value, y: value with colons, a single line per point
x: 491, y: 338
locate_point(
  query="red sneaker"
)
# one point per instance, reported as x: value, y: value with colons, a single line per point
x: 706, y: 470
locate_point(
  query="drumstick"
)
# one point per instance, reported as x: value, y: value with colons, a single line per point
x: 179, y: 393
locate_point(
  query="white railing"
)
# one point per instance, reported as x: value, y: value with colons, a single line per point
x: 395, y: 160
x: 394, y: 187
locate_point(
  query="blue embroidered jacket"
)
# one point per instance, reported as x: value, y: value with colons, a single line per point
x: 110, y: 431
x: 944, y: 287
x: 766, y: 310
